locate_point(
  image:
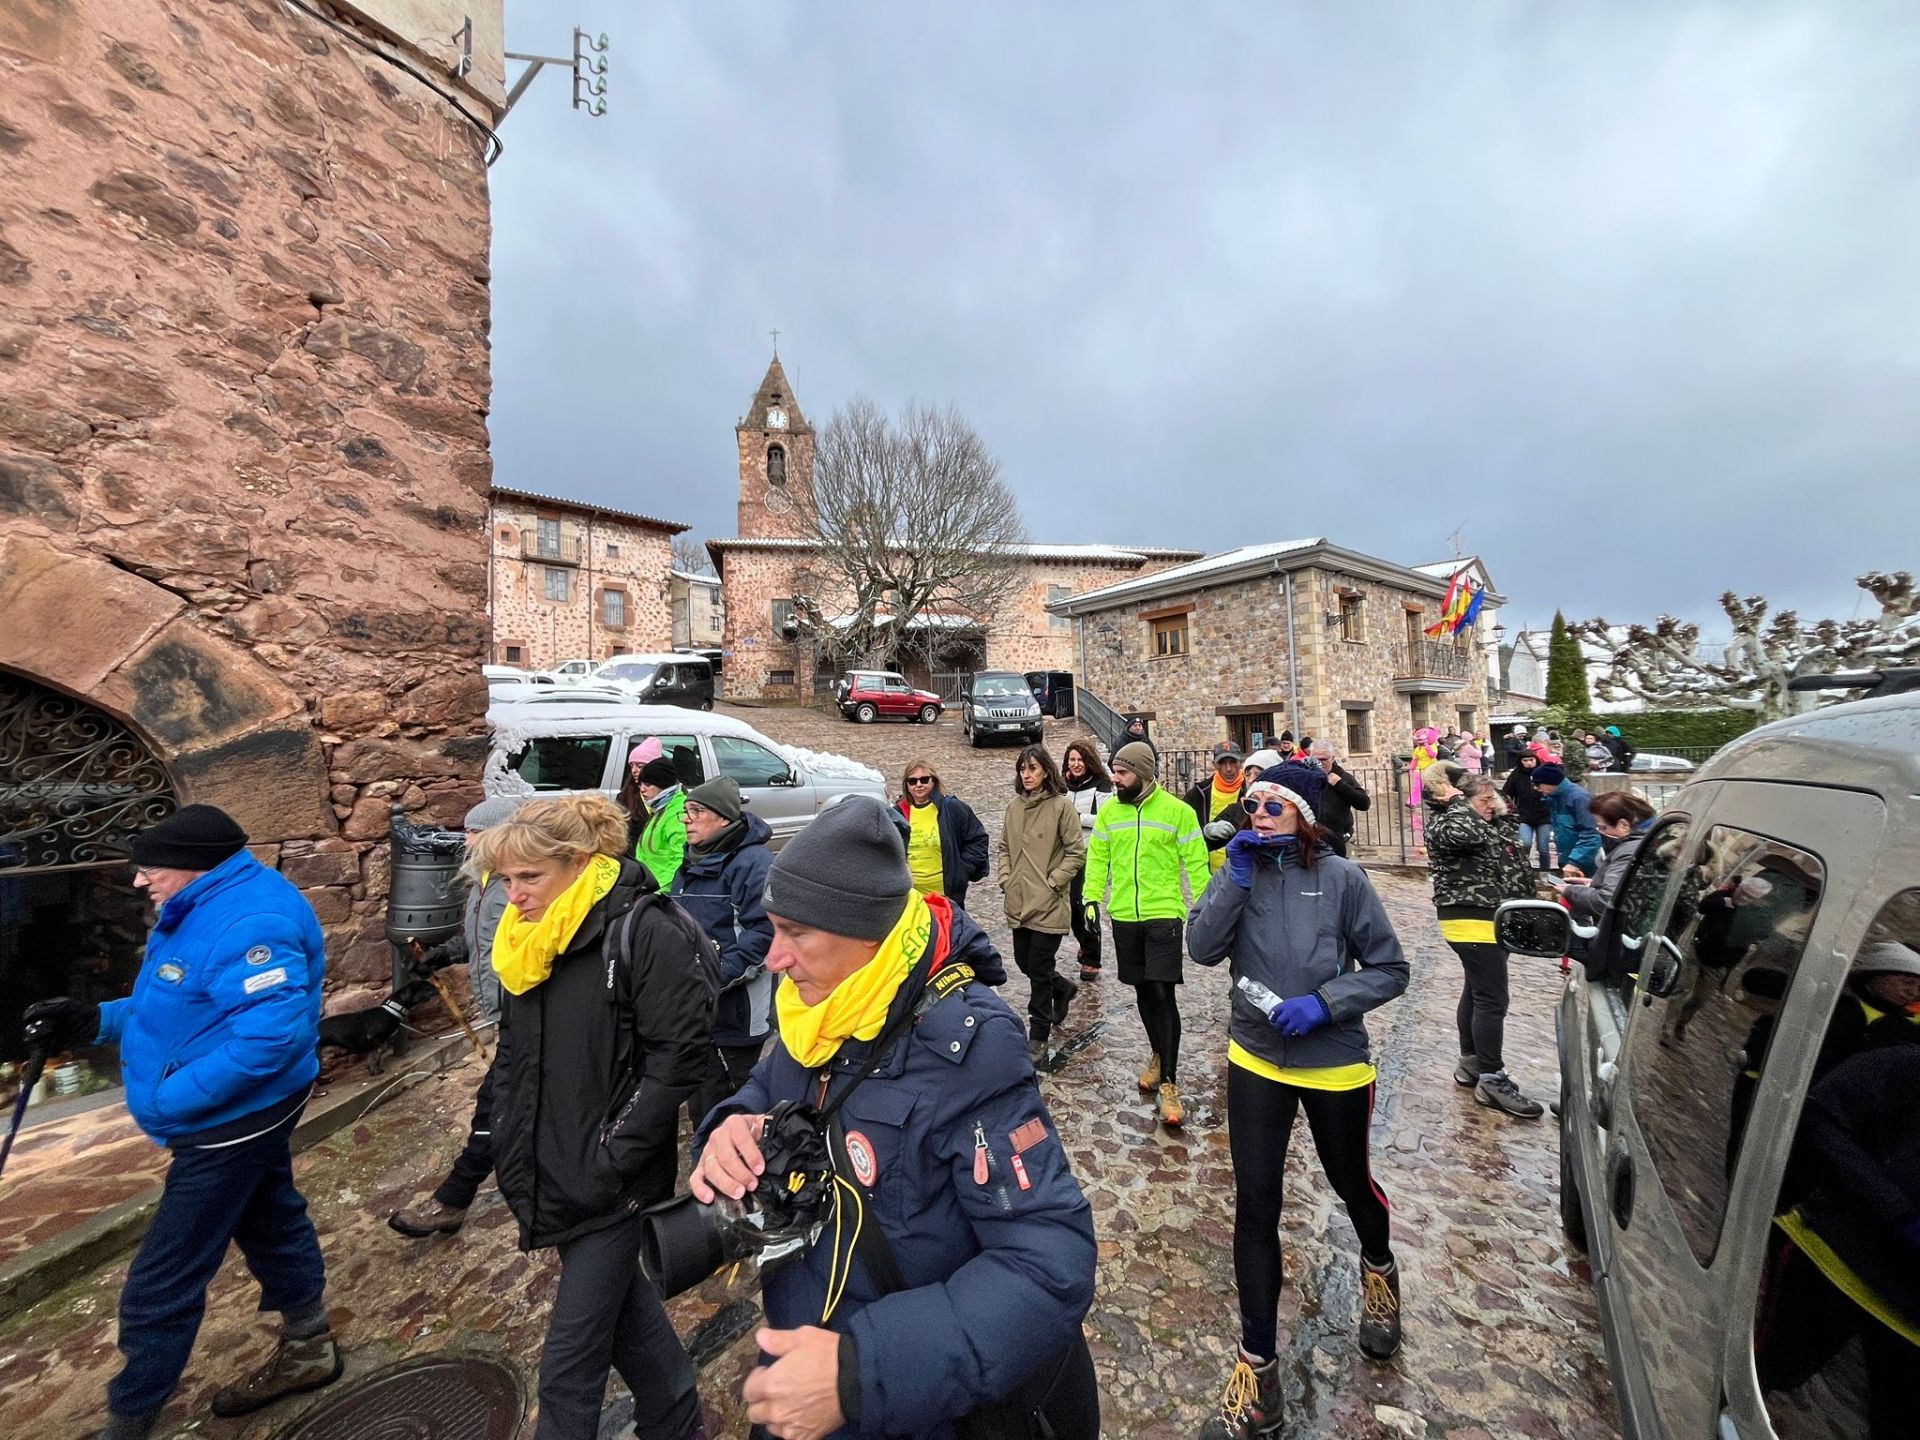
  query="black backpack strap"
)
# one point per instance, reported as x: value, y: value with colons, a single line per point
x: 870, y: 1241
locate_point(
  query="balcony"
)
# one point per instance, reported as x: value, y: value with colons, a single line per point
x: 546, y: 550
x: 1431, y: 668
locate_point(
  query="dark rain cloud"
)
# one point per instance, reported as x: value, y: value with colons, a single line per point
x: 1630, y: 291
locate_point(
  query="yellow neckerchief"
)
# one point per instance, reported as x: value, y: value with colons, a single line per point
x: 856, y: 1008
x: 524, y: 950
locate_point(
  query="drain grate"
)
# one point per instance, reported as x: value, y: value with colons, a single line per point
x: 444, y: 1398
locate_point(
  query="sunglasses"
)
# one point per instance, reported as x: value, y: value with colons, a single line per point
x: 1274, y: 807
x: 920, y: 780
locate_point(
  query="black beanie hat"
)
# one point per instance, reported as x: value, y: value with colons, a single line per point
x: 845, y: 873
x: 659, y: 771
x: 194, y: 837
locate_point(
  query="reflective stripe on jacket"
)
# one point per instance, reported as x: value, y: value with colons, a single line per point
x: 1140, y: 850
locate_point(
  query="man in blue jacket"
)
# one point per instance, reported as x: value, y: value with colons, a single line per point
x: 1576, y: 839
x: 957, y: 1307
x: 217, y: 1050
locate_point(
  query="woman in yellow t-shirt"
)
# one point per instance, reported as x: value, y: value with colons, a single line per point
x: 946, y: 843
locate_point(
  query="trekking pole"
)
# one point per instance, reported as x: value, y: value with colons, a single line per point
x: 29, y: 1077
x: 418, y: 951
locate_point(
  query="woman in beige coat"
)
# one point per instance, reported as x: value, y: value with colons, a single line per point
x: 1041, y: 850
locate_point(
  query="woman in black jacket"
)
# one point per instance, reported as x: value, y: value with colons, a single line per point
x: 933, y: 821
x: 606, y: 1020
x: 1529, y: 807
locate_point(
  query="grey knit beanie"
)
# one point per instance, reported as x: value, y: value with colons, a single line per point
x: 721, y: 795
x: 845, y: 873
x: 1139, y: 758
x: 492, y: 811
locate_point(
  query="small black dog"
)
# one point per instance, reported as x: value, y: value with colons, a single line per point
x: 371, y: 1031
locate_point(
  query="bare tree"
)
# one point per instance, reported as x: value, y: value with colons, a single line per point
x: 914, y: 527
x: 690, y: 556
x: 1662, y: 664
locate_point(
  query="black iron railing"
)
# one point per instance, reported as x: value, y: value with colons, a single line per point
x: 1431, y: 659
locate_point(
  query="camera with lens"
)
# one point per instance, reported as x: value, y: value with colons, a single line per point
x: 682, y: 1242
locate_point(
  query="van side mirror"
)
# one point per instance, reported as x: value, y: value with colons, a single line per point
x: 1663, y: 969
x: 1533, y: 927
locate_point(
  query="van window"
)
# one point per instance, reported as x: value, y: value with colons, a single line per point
x: 1838, y: 1317
x: 748, y: 763
x: 563, y: 762
x: 1636, y: 905
x: 1738, y: 923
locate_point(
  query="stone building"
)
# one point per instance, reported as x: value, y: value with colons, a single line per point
x: 244, y: 385
x: 699, y: 612
x: 771, y: 561
x: 1301, y: 635
x: 572, y: 581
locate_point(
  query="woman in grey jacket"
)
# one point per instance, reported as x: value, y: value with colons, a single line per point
x: 1311, y: 951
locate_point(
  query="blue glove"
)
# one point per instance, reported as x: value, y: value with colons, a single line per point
x: 1241, y: 849
x: 1301, y: 1015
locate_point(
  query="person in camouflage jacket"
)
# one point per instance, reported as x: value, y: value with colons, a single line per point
x: 1473, y: 845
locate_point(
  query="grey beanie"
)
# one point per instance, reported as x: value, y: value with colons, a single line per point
x: 1139, y: 758
x: 721, y: 795
x: 492, y: 811
x: 845, y: 873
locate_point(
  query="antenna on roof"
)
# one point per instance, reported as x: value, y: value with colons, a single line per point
x: 1459, y: 550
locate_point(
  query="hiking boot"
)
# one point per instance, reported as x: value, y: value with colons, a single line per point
x: 429, y: 1217
x: 1037, y: 1052
x: 1150, y: 1077
x: 1498, y: 1091
x: 1467, y: 1072
x: 1252, y: 1405
x: 128, y: 1427
x: 1089, y: 969
x: 1172, y: 1113
x: 1063, y: 992
x: 1379, y: 1309
x: 295, y: 1367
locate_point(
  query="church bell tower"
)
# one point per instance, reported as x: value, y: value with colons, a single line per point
x: 776, y: 461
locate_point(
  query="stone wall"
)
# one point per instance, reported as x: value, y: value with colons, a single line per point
x: 598, y: 553
x: 243, y: 393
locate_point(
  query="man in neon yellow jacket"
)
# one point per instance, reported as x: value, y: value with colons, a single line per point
x: 1142, y: 841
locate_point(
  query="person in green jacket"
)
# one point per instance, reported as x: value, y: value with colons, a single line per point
x: 1142, y: 841
x: 663, y: 841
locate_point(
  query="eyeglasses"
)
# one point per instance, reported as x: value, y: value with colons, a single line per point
x: 1274, y: 807
x: 920, y: 780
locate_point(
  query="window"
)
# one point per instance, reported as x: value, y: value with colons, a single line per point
x: 1056, y: 594
x: 1359, y: 732
x: 1353, y: 619
x: 556, y: 583
x: 1466, y: 714
x: 613, y: 608
x: 776, y: 465
x: 613, y: 552
x: 547, y: 537
x: 1817, y: 1380
x: 1735, y: 930
x: 1416, y: 631
x: 563, y: 762
x: 780, y: 677
x: 514, y: 654
x: 683, y: 751
x: 1250, y: 732
x: 749, y: 763
x: 782, y: 613
x: 1170, y: 636
x: 1420, y: 707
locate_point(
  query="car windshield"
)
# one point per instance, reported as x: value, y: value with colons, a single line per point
x: 1000, y: 687
x: 634, y: 672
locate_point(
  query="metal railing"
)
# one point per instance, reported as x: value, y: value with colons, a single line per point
x: 549, y: 551
x: 1107, y: 724
x: 949, y: 685
x: 1431, y: 660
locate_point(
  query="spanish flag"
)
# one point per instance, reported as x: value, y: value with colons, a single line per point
x: 1452, y: 608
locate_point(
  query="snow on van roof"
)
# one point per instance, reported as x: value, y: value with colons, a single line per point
x: 514, y: 725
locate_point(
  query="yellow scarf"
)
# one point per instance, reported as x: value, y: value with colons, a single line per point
x: 524, y: 950
x: 857, y: 1007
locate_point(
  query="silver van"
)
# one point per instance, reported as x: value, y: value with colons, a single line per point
x: 1740, y: 1089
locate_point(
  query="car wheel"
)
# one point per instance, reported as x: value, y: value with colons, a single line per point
x: 1573, y: 1222
x: 929, y: 714
x: 864, y: 714
x: 706, y: 704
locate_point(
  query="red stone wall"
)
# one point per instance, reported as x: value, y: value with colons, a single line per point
x: 244, y: 384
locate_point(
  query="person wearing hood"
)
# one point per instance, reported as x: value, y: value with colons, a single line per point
x: 1623, y: 820
x: 1311, y: 951
x: 606, y: 1031
x: 1216, y: 803
x: 721, y: 884
x: 1623, y: 749
x: 1143, y: 841
x: 1041, y: 851
x: 1088, y: 785
x: 1136, y: 730
x: 946, y: 843
x: 663, y: 835
x: 1258, y: 761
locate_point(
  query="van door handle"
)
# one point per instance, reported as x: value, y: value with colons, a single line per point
x: 1620, y: 1188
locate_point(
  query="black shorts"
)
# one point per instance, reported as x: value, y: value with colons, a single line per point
x: 1149, y: 950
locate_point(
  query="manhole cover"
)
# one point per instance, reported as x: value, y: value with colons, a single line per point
x: 446, y: 1398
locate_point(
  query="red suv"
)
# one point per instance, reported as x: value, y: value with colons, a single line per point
x: 869, y: 695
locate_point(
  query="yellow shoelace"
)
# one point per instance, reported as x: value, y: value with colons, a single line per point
x: 1380, y: 1303
x: 1243, y: 1390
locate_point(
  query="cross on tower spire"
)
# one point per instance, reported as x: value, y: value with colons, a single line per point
x: 776, y: 343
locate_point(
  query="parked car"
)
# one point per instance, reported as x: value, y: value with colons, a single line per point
x: 673, y: 679
x: 556, y: 695
x: 572, y: 672
x: 870, y: 695
x: 999, y: 705
x: 514, y: 675
x: 1729, y: 1076
x: 1053, y: 691
x: 546, y: 747
x: 1660, y: 762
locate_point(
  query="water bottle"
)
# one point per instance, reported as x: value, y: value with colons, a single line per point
x: 1259, y: 994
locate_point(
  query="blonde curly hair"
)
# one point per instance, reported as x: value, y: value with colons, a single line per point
x: 557, y: 827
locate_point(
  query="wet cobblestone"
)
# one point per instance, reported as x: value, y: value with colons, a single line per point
x: 1500, y: 1327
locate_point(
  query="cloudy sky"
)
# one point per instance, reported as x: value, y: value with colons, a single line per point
x: 1631, y: 291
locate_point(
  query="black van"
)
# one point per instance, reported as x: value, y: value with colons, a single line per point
x: 1053, y: 690
x: 678, y: 679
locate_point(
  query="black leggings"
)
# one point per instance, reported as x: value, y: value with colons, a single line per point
x: 1034, y: 952
x: 1160, y: 1016
x: 1481, y: 1015
x: 1260, y: 1114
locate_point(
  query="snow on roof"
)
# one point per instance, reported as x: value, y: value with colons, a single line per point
x: 1200, y: 569
x: 693, y: 579
x: 926, y: 619
x: 1027, y: 550
x: 588, y: 507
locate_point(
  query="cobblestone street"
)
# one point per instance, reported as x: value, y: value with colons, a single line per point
x: 1500, y: 1328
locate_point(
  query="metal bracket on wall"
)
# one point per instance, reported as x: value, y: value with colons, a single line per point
x: 589, y: 67
x: 463, y: 37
